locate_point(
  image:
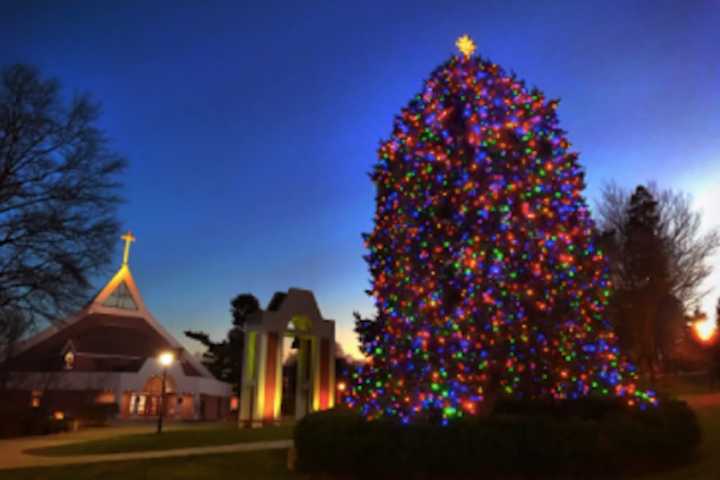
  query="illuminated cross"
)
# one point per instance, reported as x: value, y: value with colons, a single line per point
x: 128, y: 238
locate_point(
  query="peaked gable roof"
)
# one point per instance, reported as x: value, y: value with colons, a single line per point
x: 119, y: 302
x: 120, y: 295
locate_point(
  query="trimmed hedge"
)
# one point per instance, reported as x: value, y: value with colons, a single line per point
x: 579, y: 439
x: 96, y: 414
x: 18, y: 421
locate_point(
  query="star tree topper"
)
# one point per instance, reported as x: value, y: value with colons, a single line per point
x: 465, y: 45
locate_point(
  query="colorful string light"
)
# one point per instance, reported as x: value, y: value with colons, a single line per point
x: 485, y: 272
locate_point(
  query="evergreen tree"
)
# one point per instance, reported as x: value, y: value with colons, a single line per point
x: 645, y: 277
x: 367, y: 330
x: 225, y: 359
x: 485, y: 272
x: 689, y: 246
x: 658, y: 260
x: 646, y: 259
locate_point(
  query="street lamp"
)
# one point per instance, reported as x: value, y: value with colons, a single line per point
x: 165, y: 359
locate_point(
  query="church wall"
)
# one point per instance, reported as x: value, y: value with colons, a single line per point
x: 187, y: 409
x: 125, y: 405
x: 69, y: 389
x: 66, y: 381
x: 210, y: 407
x: 69, y: 402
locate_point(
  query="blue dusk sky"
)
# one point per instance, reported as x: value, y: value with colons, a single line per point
x: 250, y: 126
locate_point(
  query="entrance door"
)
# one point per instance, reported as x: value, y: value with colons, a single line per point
x: 152, y: 406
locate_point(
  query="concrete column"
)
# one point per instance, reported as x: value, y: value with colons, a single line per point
x: 326, y: 374
x: 302, y: 385
x: 331, y: 375
x: 258, y: 397
x: 314, y: 373
x: 271, y: 389
x: 278, y: 377
x: 251, y: 395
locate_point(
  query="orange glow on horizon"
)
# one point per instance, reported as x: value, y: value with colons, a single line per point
x: 705, y: 329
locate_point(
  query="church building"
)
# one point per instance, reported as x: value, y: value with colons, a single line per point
x: 108, y: 354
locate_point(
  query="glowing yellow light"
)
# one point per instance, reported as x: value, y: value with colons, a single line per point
x: 58, y: 415
x: 465, y: 45
x: 705, y: 329
x: 341, y: 386
x: 128, y: 238
x: 166, y: 358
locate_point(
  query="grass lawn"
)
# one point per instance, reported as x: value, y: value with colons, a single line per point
x: 143, y: 442
x: 686, y: 385
x: 265, y: 465
x: 707, y: 466
x: 270, y: 465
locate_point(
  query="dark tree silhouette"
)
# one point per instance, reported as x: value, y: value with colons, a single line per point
x: 689, y: 250
x: 659, y: 259
x: 646, y: 274
x: 224, y: 359
x: 58, y: 198
x: 366, y: 329
x: 13, y: 324
x: 242, y: 306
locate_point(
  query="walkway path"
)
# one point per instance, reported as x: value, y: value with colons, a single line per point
x: 702, y: 400
x: 12, y: 452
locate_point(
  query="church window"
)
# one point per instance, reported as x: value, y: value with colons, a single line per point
x: 121, y: 298
x: 69, y: 360
x: 137, y: 404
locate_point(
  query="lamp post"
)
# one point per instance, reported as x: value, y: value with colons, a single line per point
x: 165, y: 359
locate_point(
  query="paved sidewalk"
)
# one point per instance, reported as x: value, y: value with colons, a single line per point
x: 702, y: 400
x: 12, y: 452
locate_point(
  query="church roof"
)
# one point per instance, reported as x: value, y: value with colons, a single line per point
x: 114, y: 332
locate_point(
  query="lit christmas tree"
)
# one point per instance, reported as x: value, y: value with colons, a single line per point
x: 486, y: 277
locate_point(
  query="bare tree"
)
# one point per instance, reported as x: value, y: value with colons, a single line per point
x: 13, y: 325
x: 689, y: 250
x: 58, y: 197
x: 659, y: 259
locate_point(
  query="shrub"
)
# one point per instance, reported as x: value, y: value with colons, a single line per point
x: 16, y: 421
x: 96, y: 414
x: 41, y: 422
x: 574, y: 438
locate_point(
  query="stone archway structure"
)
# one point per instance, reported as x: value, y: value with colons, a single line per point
x: 293, y: 314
